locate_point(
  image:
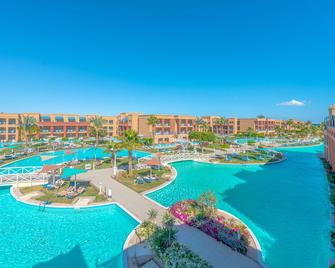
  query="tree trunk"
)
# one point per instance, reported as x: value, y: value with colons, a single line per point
x: 96, y: 138
x: 113, y: 159
x: 130, y: 161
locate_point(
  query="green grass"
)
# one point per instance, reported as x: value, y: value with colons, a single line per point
x: 51, y: 195
x: 106, y: 163
x: 163, y: 174
x: 252, y: 156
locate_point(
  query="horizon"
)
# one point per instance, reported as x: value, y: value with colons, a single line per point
x: 226, y: 59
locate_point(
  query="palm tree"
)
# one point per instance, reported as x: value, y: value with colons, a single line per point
x: 97, y: 127
x: 221, y: 121
x: 152, y: 214
x: 114, y: 147
x: 153, y: 121
x: 168, y: 224
x: 202, y: 124
x: 130, y: 141
x: 28, y: 128
x: 279, y: 131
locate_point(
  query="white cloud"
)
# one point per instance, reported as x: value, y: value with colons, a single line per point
x: 292, y: 103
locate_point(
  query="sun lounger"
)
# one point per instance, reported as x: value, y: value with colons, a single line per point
x: 139, y: 181
x: 81, y: 190
x: 71, y: 195
x: 148, y: 180
x: 61, y: 193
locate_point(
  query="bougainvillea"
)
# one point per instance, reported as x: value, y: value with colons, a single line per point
x: 228, y: 231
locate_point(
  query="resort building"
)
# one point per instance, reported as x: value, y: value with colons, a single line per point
x: 127, y: 121
x: 9, y: 127
x: 169, y: 128
x: 329, y: 143
x: 222, y: 126
x: 260, y: 125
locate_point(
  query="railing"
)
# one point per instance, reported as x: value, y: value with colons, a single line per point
x: 16, y: 175
x: 183, y: 156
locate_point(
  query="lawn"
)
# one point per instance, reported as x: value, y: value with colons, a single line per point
x: 106, y: 163
x: 252, y: 158
x: 164, y: 175
x: 51, y: 195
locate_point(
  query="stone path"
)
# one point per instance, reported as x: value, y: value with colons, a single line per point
x: 217, y: 254
x: 84, y: 201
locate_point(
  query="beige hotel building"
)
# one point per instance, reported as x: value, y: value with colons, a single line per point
x: 169, y: 128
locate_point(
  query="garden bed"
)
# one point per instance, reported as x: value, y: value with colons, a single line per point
x: 51, y: 195
x: 205, y: 217
x: 163, y: 174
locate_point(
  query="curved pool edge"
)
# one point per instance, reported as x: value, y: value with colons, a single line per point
x: 17, y: 198
x: 112, y: 203
x: 126, y: 242
x: 260, y: 256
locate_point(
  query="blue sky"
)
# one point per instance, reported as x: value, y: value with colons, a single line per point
x: 229, y: 58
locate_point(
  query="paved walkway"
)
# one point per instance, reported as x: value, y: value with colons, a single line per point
x: 217, y: 254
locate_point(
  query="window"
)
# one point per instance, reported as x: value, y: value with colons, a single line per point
x: 12, y: 121
x: 71, y: 119
x: 45, y: 129
x: 59, y: 119
x: 82, y: 119
x: 45, y: 118
x: 2, y: 121
x: 12, y: 130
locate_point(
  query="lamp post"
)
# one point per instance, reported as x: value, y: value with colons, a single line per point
x: 95, y: 156
x: 114, y: 162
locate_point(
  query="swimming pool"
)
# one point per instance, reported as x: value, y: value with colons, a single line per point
x: 90, y: 237
x: 286, y: 205
x: 62, y: 156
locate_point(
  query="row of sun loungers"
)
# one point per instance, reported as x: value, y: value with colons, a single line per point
x: 71, y: 192
x: 142, y: 180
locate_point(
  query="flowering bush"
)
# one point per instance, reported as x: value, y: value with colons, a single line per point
x: 178, y: 256
x: 229, y: 232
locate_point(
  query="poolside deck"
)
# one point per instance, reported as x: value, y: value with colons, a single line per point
x: 217, y: 254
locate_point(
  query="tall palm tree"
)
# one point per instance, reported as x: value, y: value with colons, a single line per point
x: 130, y: 141
x: 152, y: 214
x: 153, y: 121
x: 221, y: 121
x: 279, y: 131
x: 97, y: 127
x: 168, y: 224
x: 201, y: 124
x: 114, y: 147
x: 28, y: 128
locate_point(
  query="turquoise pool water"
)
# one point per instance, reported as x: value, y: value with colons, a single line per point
x: 91, y: 237
x: 286, y: 205
x: 59, y: 157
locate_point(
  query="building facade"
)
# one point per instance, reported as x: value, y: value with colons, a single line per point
x: 221, y: 126
x: 9, y: 123
x: 329, y: 143
x: 259, y: 125
x: 168, y: 129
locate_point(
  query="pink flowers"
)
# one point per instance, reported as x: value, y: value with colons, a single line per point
x: 217, y: 226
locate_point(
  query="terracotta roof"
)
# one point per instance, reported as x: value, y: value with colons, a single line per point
x: 49, y: 168
x: 153, y: 162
